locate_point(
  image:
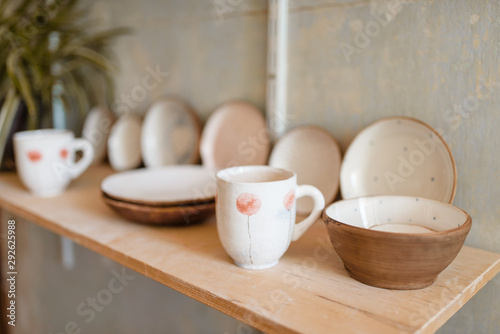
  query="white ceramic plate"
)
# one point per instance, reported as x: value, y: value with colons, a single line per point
x: 124, y: 149
x: 235, y: 135
x: 398, y: 156
x: 314, y: 155
x: 96, y: 130
x: 171, y: 185
x: 170, y: 134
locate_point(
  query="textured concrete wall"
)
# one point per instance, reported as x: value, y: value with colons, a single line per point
x: 351, y: 62
x: 213, y: 51
x: 437, y: 61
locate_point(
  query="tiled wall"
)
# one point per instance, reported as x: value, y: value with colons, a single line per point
x: 349, y: 65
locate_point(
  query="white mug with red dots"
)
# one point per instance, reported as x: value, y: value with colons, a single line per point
x: 255, y: 209
x: 45, y: 159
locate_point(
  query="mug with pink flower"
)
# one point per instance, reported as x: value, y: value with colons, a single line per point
x: 256, y: 213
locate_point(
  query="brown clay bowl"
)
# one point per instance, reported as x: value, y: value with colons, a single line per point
x: 396, y: 242
x: 162, y: 215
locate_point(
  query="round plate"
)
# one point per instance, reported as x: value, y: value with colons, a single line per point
x: 170, y: 134
x: 124, y: 151
x: 170, y: 215
x: 165, y: 186
x: 399, y: 156
x: 235, y: 135
x: 96, y: 130
x: 314, y: 155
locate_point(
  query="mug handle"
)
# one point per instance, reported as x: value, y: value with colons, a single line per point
x: 319, y: 205
x: 77, y: 168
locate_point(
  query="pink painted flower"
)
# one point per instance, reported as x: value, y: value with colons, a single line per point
x: 248, y: 204
x: 34, y: 156
x: 64, y: 153
x: 289, y: 199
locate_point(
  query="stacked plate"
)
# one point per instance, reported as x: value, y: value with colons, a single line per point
x: 173, y: 195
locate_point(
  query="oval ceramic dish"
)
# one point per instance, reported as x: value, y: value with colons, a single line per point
x: 235, y: 135
x: 314, y: 155
x: 96, y: 129
x: 165, y: 186
x: 169, y: 215
x: 399, y: 156
x: 396, y: 242
x: 124, y: 150
x: 170, y: 134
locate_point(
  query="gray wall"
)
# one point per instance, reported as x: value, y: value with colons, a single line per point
x: 427, y: 58
x: 437, y: 61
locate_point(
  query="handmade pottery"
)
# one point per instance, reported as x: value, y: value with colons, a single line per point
x: 165, y: 186
x: 255, y: 211
x: 170, y: 134
x: 124, y: 151
x: 396, y: 242
x: 398, y: 156
x: 162, y: 215
x: 96, y: 130
x: 46, y: 159
x: 235, y: 135
x: 314, y: 155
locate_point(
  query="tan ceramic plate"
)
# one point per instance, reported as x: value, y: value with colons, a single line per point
x: 399, y: 156
x: 235, y: 135
x: 164, y: 186
x: 158, y: 215
x: 314, y: 155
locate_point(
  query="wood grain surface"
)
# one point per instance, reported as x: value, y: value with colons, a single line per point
x: 309, y: 291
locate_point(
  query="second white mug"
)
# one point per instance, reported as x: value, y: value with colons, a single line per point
x: 45, y: 159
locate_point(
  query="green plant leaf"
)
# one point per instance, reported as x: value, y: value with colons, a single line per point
x: 19, y: 77
x: 7, y: 115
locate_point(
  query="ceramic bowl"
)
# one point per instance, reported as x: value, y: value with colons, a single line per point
x: 396, y: 242
x: 162, y: 215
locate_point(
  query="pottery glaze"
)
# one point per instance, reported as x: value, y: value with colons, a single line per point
x: 46, y: 161
x: 235, y: 135
x: 396, y: 242
x: 124, y: 151
x: 176, y: 215
x: 255, y: 211
x: 169, y: 185
x: 299, y: 150
x: 170, y: 134
x: 96, y: 130
x: 399, y: 156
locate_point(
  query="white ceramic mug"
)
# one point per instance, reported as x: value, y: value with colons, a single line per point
x: 45, y: 159
x: 255, y: 212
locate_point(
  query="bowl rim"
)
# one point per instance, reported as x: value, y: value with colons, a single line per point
x: 465, y: 226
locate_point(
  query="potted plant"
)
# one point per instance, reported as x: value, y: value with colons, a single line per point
x: 49, y: 55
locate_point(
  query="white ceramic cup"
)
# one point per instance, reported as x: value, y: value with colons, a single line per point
x: 255, y: 209
x: 45, y: 159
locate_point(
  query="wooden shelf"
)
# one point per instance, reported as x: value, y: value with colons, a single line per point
x: 309, y: 291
